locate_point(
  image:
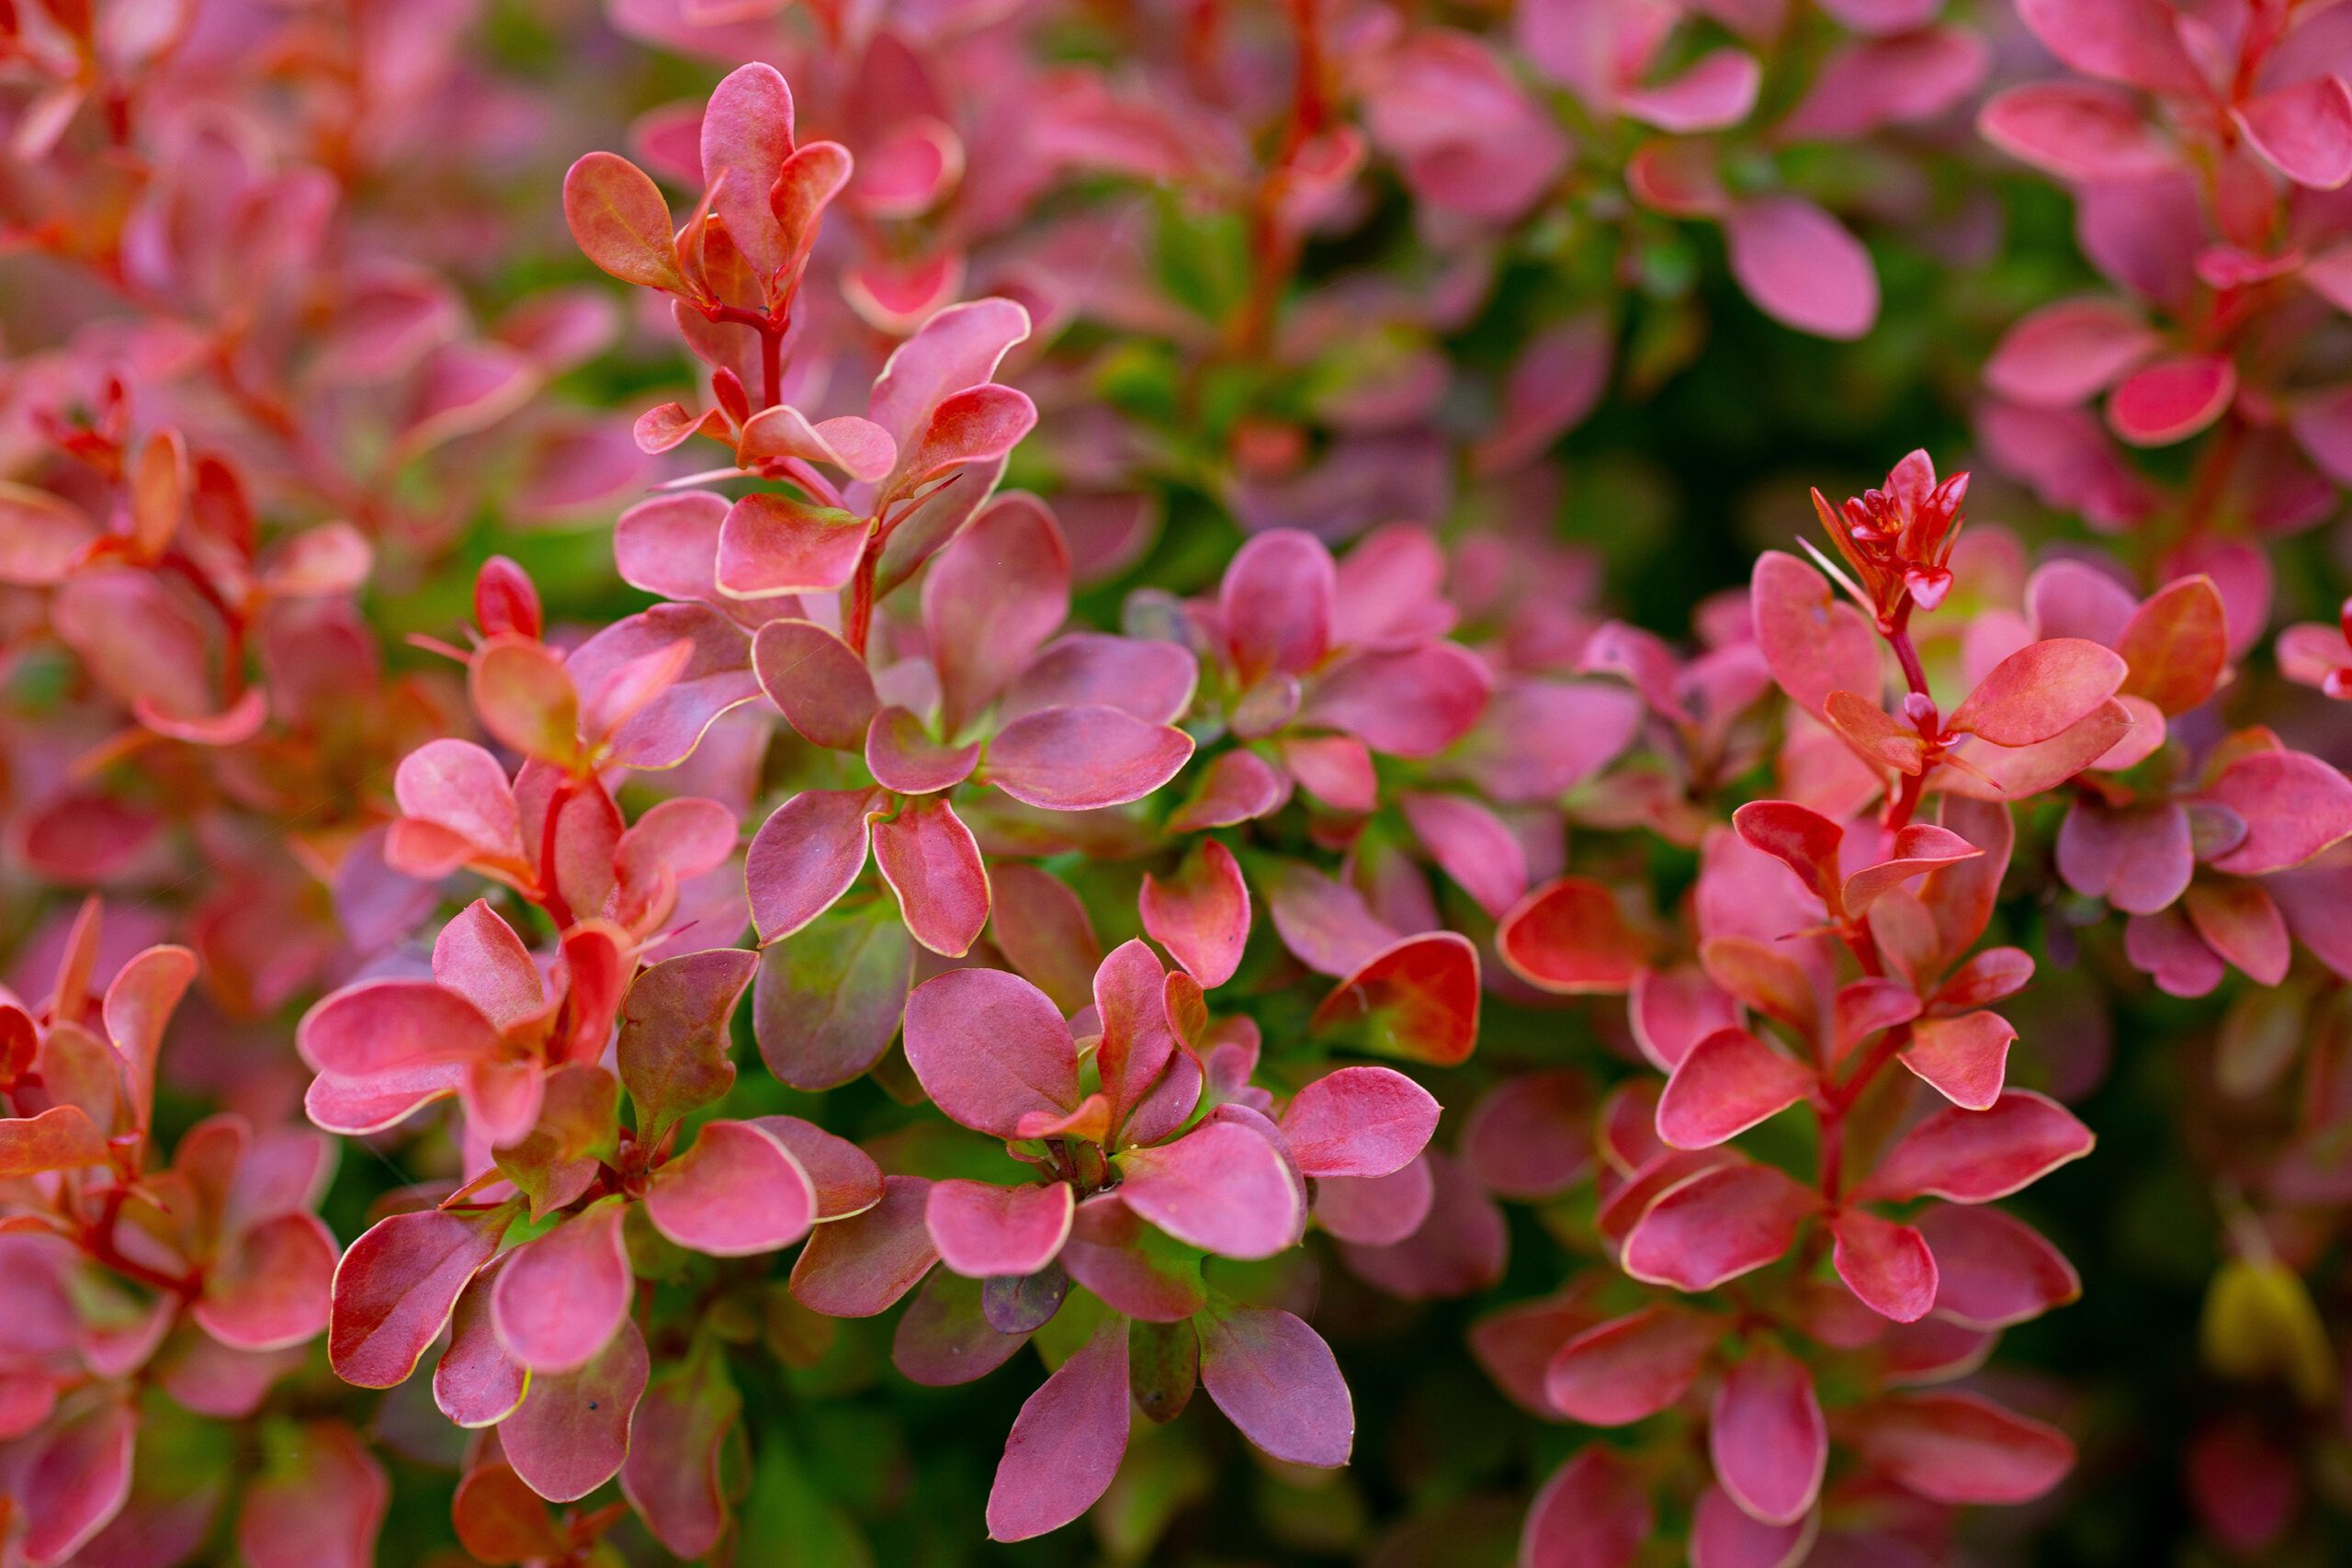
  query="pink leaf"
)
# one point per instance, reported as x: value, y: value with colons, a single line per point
x: 2076, y: 130
x: 1153, y: 681
x: 272, y: 1288
x: 1728, y: 1083
x: 476, y: 1384
x: 2304, y: 130
x: 560, y: 1299
x: 2131, y: 41
x: 2061, y: 354
x: 1767, y: 1436
x: 1974, y: 1156
x: 804, y: 856
x: 1965, y: 1058
x: 1814, y: 642
x: 1717, y: 90
x: 746, y: 136
x: 822, y: 687
x: 1223, y: 1186
x: 570, y: 1433
x: 1277, y: 603
x: 1066, y: 1444
x: 736, y: 1192
x: 1724, y: 1536
x: 932, y: 864
x: 1412, y: 704
x: 1887, y: 1266
x: 76, y: 1478
x: 991, y: 1048
x: 1474, y: 846
x: 771, y: 545
x: 2293, y: 805
x: 985, y: 1232
x: 1594, y: 1512
x: 1276, y: 1380
x: 1201, y: 914
x: 1080, y: 759
x: 460, y: 788
x: 1994, y: 1271
x: 1717, y: 1225
x: 619, y: 219
x: 1961, y: 1448
x: 993, y: 596
x: 394, y: 1289
x: 1041, y: 925
x: 860, y: 1265
x: 2038, y: 691
x: 975, y: 425
x: 2172, y: 398
x: 320, y: 1507
x: 1358, y: 1122
x: 902, y: 756
x: 1569, y: 937
x: 1632, y: 1366
x: 1802, y: 266
x: 1532, y: 1135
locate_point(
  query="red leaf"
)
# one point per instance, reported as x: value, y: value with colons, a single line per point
x: 570, y: 1433
x: 858, y: 1266
x: 822, y: 687
x: 1201, y: 915
x: 1083, y: 758
x: 932, y: 866
x: 1358, y: 1122
x: 620, y: 221
x: 2038, y: 691
x: 1224, y: 1186
x: 561, y: 1298
x: 986, y: 1232
x: 1965, y: 1058
x: 1276, y: 1380
x: 736, y: 1192
x: 1918, y: 849
x: 1767, y: 1436
x: 1960, y: 1447
x: 1974, y: 1156
x: 771, y: 545
x: 1416, y: 1000
x: 1066, y: 1444
x: 2176, y: 645
x: 990, y: 1049
x: 901, y: 755
x: 804, y: 856
x: 1717, y: 1225
x: 1594, y: 1512
x: 1887, y: 1266
x: 1799, y: 837
x: 1994, y: 1271
x: 394, y: 1290
x: 1570, y: 937
x: 1630, y: 1368
x: 1728, y: 1083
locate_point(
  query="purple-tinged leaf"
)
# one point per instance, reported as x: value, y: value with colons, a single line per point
x: 394, y: 1290
x: 1066, y: 1444
x: 822, y: 688
x: 1594, y: 1512
x: 991, y: 1048
x: 570, y: 1434
x: 1276, y: 1380
x: 1716, y: 1225
x: 1359, y: 1122
x: 1223, y: 1186
x: 1766, y: 1437
x: 988, y: 1231
x: 1629, y: 1367
x: 1080, y: 759
x: 1974, y: 1156
x: 1993, y: 1271
x: 564, y: 1294
x: 993, y: 596
x: 771, y: 545
x: 804, y: 856
x: 1201, y: 915
x: 932, y: 866
x: 673, y: 1046
x: 902, y: 757
x: 858, y: 1266
x: 738, y: 1191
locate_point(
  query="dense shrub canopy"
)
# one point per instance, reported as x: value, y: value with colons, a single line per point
x: 1086, y: 774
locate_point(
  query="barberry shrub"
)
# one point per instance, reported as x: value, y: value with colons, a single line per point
x: 1154, y: 684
